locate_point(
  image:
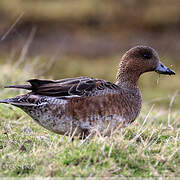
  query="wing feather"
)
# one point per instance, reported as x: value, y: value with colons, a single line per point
x: 82, y: 86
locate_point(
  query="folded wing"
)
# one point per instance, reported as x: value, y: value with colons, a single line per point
x: 82, y: 86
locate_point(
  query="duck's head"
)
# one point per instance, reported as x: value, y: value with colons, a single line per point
x: 144, y: 59
x: 138, y: 60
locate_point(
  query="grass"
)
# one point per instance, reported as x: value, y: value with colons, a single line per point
x: 29, y: 150
x: 149, y: 147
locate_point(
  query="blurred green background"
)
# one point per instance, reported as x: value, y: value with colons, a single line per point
x: 66, y: 38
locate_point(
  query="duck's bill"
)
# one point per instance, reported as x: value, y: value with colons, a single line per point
x: 162, y: 69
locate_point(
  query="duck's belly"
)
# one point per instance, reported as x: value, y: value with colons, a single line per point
x: 67, y: 125
x: 60, y: 123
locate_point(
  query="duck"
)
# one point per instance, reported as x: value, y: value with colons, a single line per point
x: 81, y: 106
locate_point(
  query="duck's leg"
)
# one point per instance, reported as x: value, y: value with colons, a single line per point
x: 84, y: 134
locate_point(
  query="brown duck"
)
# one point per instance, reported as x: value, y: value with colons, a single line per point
x: 82, y: 105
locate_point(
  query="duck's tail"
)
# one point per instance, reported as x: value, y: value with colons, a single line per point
x: 12, y: 101
x: 4, y: 101
x: 27, y: 87
x: 16, y: 101
x: 34, y: 84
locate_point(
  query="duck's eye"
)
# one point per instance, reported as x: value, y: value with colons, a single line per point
x: 147, y: 56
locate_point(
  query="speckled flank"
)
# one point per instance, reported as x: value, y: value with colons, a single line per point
x: 83, y: 105
x: 85, y: 113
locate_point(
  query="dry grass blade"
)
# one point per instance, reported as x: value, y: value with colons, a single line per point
x: 12, y: 26
x: 170, y: 109
x: 25, y: 48
x: 141, y: 130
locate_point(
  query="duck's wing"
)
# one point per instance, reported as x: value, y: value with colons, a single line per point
x: 82, y: 86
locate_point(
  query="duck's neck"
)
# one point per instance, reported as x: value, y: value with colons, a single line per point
x: 127, y: 79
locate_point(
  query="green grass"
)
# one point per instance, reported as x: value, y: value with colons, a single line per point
x: 148, y: 147
x: 28, y: 150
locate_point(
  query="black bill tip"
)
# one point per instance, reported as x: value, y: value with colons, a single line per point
x: 170, y: 72
x: 161, y: 69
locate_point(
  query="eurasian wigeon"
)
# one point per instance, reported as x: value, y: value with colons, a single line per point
x: 81, y: 105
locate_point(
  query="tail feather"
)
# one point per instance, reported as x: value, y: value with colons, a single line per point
x: 15, y: 101
x: 27, y: 87
x: 10, y: 100
x: 4, y: 101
